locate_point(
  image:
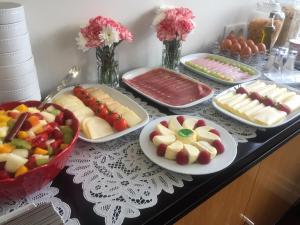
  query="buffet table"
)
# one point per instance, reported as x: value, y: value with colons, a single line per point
x: 114, y: 183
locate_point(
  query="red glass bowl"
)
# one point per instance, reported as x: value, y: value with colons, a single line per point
x: 36, y: 178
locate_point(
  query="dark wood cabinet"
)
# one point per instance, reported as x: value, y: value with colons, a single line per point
x: 260, y: 196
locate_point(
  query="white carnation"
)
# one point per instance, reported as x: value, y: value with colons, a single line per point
x: 81, y: 42
x: 109, y: 36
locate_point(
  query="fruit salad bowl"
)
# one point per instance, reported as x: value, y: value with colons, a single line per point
x: 21, y: 183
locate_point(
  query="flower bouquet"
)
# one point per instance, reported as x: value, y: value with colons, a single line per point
x: 172, y: 26
x: 105, y: 35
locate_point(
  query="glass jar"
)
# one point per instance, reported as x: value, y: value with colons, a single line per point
x: 266, y: 24
x: 291, y: 25
x: 171, y: 54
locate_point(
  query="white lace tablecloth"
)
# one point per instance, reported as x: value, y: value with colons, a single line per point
x: 47, y: 194
x: 118, y: 178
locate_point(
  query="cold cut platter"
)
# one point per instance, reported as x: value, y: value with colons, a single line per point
x: 168, y: 88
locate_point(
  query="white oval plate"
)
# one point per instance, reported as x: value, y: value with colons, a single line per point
x: 124, y: 100
x: 139, y: 71
x: 224, y: 111
x: 218, y: 163
x: 187, y: 58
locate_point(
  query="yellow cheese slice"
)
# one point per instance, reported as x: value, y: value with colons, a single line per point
x: 97, y: 127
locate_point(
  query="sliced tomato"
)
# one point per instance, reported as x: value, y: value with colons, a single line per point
x: 120, y: 124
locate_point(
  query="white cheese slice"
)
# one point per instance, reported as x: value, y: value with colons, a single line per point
x: 236, y: 107
x: 251, y: 105
x: 264, y: 91
x: 173, y: 149
x: 256, y: 86
x: 293, y: 102
x: 281, y: 98
x: 269, y: 116
x: 238, y: 99
x: 252, y: 112
x: 224, y: 97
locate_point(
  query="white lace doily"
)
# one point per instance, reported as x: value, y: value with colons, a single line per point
x: 118, y: 178
x: 46, y: 194
x: 240, y: 131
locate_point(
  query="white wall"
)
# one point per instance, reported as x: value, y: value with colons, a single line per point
x: 54, y: 24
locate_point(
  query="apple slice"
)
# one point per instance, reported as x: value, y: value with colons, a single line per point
x: 163, y: 130
x: 205, y: 146
x: 173, y: 149
x: 3, y: 157
x: 21, y: 152
x: 174, y: 125
x: 189, y: 123
x: 163, y: 139
x: 14, y: 162
x: 206, y: 136
x: 193, y: 152
x: 49, y: 117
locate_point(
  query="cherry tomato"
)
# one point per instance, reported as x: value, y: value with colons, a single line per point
x: 112, y: 117
x: 77, y: 90
x: 103, y: 113
x: 120, y: 124
x: 40, y: 140
x: 98, y: 107
x: 90, y: 102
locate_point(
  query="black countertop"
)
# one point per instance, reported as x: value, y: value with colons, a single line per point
x: 171, y: 207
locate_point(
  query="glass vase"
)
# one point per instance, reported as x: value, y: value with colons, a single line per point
x: 107, y: 66
x: 171, y: 54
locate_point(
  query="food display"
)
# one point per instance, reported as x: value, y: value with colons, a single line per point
x: 168, y: 87
x: 186, y: 140
x: 220, y: 68
x: 239, y: 46
x: 98, y: 113
x: 31, y: 137
x: 259, y: 102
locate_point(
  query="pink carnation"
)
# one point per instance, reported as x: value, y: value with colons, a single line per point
x: 177, y: 24
x: 93, y: 29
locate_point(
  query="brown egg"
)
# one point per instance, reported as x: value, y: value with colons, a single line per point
x: 235, y: 49
x: 262, y: 48
x: 243, y: 44
x: 246, y: 52
x: 226, y: 44
x: 250, y: 42
x: 241, y: 40
x: 254, y: 49
x: 234, y: 41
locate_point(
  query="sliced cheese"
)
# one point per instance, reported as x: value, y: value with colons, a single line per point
x: 292, y: 102
x: 251, y: 105
x: 269, y: 116
x: 131, y: 117
x: 281, y: 98
x: 251, y: 112
x: 95, y: 127
x: 264, y: 91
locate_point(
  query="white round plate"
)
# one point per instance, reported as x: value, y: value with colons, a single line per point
x: 218, y: 163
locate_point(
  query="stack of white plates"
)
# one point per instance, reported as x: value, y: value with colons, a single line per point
x: 18, y: 78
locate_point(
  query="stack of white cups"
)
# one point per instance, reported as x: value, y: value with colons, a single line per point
x: 18, y: 78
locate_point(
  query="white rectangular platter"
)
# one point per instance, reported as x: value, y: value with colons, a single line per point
x: 124, y: 100
x: 187, y: 58
x: 140, y: 71
x: 236, y: 117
